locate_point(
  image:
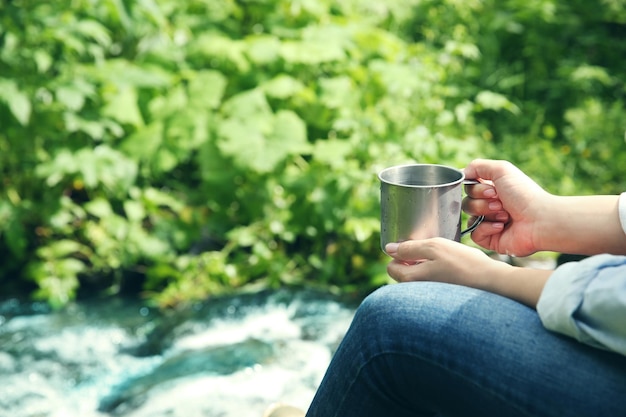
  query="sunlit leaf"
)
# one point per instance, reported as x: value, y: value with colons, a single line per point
x: 263, y: 149
x: 311, y: 52
x: 332, y: 151
x: 250, y: 107
x: 61, y: 249
x: 144, y: 142
x: 124, y: 73
x: 206, y: 89
x: 215, y: 45
x: 94, y: 30
x: 263, y: 49
x: 134, y: 210
x: 123, y: 106
x: 489, y: 100
x: 282, y: 86
x: 337, y: 92
x: 99, y: 208
x: 72, y: 98
x: 18, y: 101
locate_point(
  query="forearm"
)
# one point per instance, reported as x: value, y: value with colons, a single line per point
x: 586, y: 225
x: 520, y: 284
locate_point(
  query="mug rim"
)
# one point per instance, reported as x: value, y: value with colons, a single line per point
x: 406, y: 166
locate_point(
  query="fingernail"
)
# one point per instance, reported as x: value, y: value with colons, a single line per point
x: 502, y: 216
x: 497, y: 225
x: 391, y: 248
x: 490, y: 193
x: 495, y: 205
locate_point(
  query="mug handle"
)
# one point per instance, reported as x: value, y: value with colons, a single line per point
x: 479, y: 220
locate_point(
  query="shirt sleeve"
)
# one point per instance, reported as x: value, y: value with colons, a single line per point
x: 587, y: 300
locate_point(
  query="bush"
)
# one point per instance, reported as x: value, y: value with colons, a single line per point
x: 185, y: 148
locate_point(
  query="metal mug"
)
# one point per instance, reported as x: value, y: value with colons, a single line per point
x: 420, y: 201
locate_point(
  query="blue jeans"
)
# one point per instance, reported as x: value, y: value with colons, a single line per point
x: 432, y: 349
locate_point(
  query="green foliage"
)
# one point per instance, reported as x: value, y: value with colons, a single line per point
x: 186, y: 148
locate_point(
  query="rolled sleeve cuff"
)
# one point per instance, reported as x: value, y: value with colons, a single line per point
x: 561, y: 297
x: 585, y: 300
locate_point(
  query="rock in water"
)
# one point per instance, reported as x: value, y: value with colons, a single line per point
x: 220, y: 360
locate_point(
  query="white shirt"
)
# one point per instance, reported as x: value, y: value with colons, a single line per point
x: 587, y: 299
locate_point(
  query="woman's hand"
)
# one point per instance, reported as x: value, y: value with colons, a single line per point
x: 512, y: 204
x: 444, y: 260
x: 521, y: 218
x: 441, y: 260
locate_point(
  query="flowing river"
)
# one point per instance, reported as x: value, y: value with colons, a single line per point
x: 227, y: 357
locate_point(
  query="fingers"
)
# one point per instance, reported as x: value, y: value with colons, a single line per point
x: 488, y: 169
x: 417, y: 250
x: 411, y: 258
x: 481, y: 190
x: 403, y: 272
x: 491, y: 208
x: 487, y: 229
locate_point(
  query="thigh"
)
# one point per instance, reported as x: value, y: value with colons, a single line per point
x: 436, y: 349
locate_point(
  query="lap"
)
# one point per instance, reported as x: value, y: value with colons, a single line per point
x: 439, y: 349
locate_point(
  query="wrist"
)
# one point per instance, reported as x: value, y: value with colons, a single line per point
x: 494, y: 275
x: 551, y: 223
x: 520, y: 284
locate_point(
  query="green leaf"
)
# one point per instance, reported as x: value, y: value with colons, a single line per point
x: 145, y: 244
x: 123, y: 106
x: 215, y: 167
x: 591, y: 72
x: 99, y: 207
x: 282, y: 86
x: 75, y: 123
x: 123, y: 73
x: 206, y: 89
x: 169, y: 104
x: 143, y: 144
x: 99, y: 166
x: 244, y: 236
x: 244, y: 143
x: 154, y: 198
x: 311, y: 52
x: 94, y: 30
x: 289, y: 136
x: 21, y: 108
x: 362, y: 228
x: 43, y: 60
x: 337, y: 92
x: 188, y: 130
x: 18, y: 102
x: 332, y: 151
x: 61, y: 249
x: 134, y: 210
x: 55, y: 171
x: 488, y: 100
x: 262, y: 150
x: 213, y: 45
x: 71, y: 97
x: 250, y: 107
x: 262, y: 49
x: 165, y: 160
x: 57, y: 280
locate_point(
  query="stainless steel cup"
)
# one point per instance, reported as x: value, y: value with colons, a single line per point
x: 421, y: 201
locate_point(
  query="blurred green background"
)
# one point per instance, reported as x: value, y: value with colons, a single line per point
x: 179, y: 149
